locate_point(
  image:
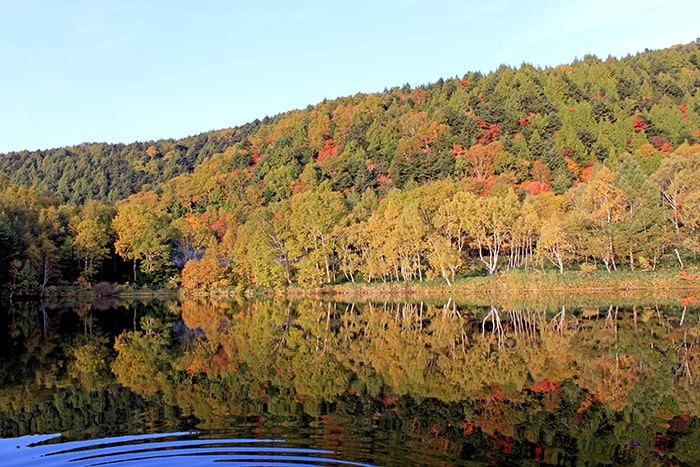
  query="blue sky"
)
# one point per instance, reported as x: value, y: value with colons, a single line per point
x: 74, y: 71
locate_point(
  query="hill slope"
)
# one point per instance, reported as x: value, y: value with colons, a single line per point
x: 589, y: 111
x: 583, y: 166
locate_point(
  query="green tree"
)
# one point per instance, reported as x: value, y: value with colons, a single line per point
x: 677, y: 180
x: 547, y: 217
x: 640, y: 233
x: 263, y: 254
x: 143, y: 233
x: 91, y: 244
x: 490, y: 229
x: 599, y: 206
x: 315, y: 214
x: 11, y: 247
x: 553, y: 242
x: 191, y: 236
x: 451, y: 239
x: 44, y: 255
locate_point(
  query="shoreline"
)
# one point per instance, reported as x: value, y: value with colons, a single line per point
x: 510, y: 287
x: 530, y: 283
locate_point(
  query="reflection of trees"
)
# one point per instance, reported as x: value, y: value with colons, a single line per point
x: 315, y: 350
x: 566, y: 380
x: 143, y: 358
x: 89, y: 360
x: 440, y: 351
x: 80, y: 412
x: 625, y: 352
x: 33, y: 347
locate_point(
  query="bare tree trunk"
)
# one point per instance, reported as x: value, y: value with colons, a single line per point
x: 328, y: 270
x: 678, y: 255
x: 560, y: 263
x: 46, y: 277
x: 631, y: 260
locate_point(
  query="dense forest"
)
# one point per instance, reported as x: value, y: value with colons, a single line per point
x: 592, y: 165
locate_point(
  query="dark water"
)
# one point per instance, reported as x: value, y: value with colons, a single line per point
x: 583, y: 382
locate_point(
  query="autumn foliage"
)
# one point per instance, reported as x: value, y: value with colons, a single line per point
x: 639, y: 124
x: 202, y: 273
x: 589, y: 163
x: 535, y: 187
x: 329, y: 150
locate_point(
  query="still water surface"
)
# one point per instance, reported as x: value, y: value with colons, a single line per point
x: 312, y: 382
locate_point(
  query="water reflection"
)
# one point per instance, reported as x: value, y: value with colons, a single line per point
x: 415, y: 383
x: 170, y: 448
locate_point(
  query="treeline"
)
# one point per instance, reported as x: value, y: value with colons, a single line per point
x: 110, y: 172
x: 588, y: 165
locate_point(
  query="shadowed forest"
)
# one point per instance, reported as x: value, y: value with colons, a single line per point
x: 581, y: 167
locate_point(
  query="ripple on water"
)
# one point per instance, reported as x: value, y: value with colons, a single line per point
x: 171, y: 449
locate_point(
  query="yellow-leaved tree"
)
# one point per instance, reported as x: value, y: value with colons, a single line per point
x: 143, y: 232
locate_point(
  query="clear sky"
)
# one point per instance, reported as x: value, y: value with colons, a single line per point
x: 74, y: 71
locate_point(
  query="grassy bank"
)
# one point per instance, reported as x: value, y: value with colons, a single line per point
x: 103, y: 295
x: 532, y: 283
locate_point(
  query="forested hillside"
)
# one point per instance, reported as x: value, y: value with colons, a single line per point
x: 110, y: 172
x: 589, y: 165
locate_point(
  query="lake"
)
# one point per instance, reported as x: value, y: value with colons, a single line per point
x: 513, y: 381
